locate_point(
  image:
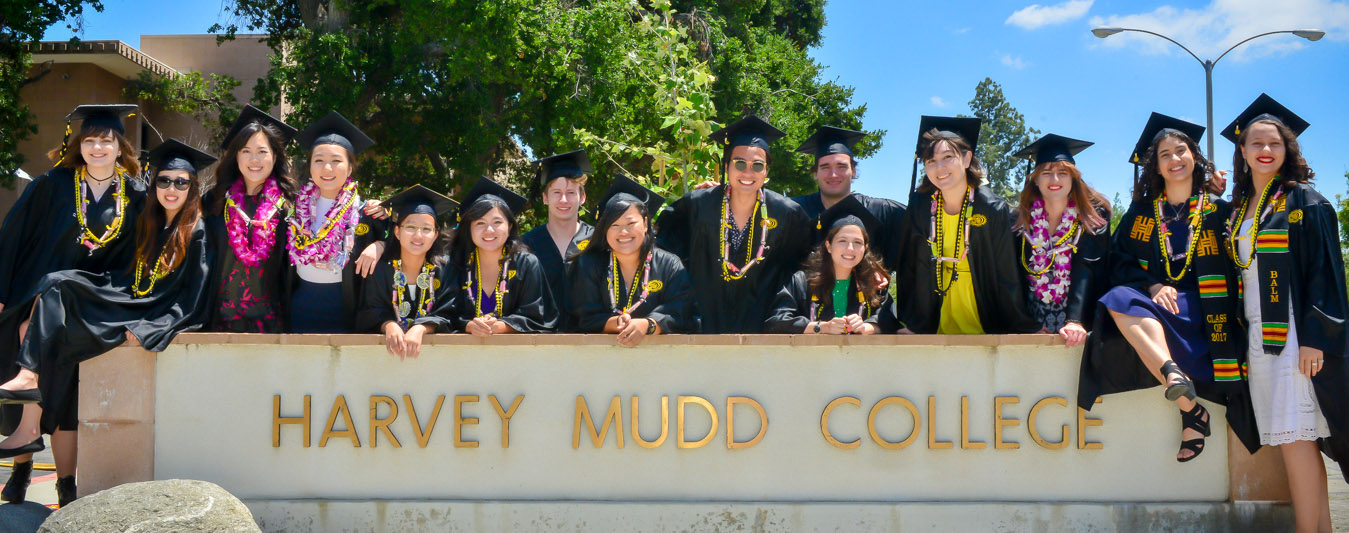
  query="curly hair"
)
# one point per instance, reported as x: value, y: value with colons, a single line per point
x: 1294, y: 169
x: 819, y: 268
x: 1150, y: 183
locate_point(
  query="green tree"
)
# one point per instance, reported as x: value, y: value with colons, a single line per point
x: 23, y: 22
x: 454, y: 89
x: 1342, y: 213
x: 209, y: 99
x: 1117, y: 208
x: 1003, y: 133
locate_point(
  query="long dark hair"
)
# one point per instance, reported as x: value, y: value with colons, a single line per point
x: 1150, y: 183
x: 1294, y: 169
x: 974, y: 174
x: 228, y: 171
x: 819, y: 269
x: 437, y: 255
x: 462, y: 246
x: 153, y: 219
x: 599, y: 243
x: 1087, y: 199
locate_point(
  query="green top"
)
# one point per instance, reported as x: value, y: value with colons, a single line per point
x: 841, y: 297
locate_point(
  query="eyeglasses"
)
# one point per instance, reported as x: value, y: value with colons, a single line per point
x: 757, y: 166
x: 181, y: 184
x: 414, y: 230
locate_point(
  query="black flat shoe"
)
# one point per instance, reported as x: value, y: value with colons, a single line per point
x: 65, y: 491
x: 20, y: 396
x: 16, y: 489
x: 32, y: 447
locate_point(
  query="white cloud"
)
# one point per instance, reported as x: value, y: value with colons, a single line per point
x: 1036, y: 15
x: 1014, y: 62
x: 938, y: 102
x: 1212, y: 29
x: 962, y: 31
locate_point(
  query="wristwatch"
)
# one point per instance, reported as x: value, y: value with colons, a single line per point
x: 650, y: 327
x: 817, y: 327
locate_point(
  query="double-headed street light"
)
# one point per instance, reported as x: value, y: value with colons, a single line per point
x: 1310, y: 35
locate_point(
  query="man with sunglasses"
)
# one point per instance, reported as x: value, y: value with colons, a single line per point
x: 834, y: 171
x: 739, y: 241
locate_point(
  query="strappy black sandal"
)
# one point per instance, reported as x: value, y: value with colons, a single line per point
x: 1194, y: 419
x: 1182, y: 387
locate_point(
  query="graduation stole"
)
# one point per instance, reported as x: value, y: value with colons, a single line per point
x: 1212, y: 268
x: 1275, y: 265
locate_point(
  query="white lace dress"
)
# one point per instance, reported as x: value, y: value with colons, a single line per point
x: 1285, y: 403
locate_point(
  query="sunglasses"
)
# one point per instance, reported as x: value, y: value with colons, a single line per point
x: 741, y: 164
x: 181, y: 184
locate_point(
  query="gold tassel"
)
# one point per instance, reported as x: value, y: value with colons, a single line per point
x: 65, y: 143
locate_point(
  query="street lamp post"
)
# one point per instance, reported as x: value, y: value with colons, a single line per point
x: 1310, y: 35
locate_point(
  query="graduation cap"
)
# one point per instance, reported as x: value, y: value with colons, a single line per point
x: 252, y: 114
x: 748, y: 131
x: 1265, y: 108
x: 625, y: 188
x: 486, y: 187
x: 828, y: 140
x: 964, y: 128
x: 335, y: 129
x: 107, y: 116
x: 569, y: 165
x: 850, y: 212
x: 419, y: 199
x: 174, y: 154
x: 1158, y: 125
x: 1052, y: 148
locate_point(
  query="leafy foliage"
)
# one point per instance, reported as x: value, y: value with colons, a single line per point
x: 208, y: 99
x: 1002, y: 134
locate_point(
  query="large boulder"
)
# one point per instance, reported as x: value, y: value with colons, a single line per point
x: 178, y: 505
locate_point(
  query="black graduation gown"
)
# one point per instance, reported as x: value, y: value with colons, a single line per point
x: 1111, y: 365
x: 791, y: 308
x: 40, y: 234
x: 1089, y: 277
x: 1319, y: 304
x: 376, y: 305
x: 669, y: 304
x: 368, y: 231
x: 889, y: 212
x: 235, y: 286
x: 555, y: 265
x: 999, y: 287
x: 691, y: 229
x: 81, y: 315
x: 526, y: 307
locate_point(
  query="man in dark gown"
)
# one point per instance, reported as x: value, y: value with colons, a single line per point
x: 561, y: 181
x: 834, y: 171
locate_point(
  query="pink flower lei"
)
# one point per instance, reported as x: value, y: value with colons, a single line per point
x: 332, y: 242
x: 253, y: 247
x: 1050, y: 264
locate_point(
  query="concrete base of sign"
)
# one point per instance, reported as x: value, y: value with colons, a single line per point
x: 302, y: 515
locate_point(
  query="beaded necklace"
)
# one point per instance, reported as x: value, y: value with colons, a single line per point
x: 1233, y: 225
x: 87, y: 238
x: 614, y: 285
x: 935, y: 237
x: 155, y: 274
x: 427, y: 284
x: 729, y: 271
x: 474, y: 289
x: 1198, y: 204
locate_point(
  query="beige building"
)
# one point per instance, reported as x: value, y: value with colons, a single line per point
x: 96, y: 72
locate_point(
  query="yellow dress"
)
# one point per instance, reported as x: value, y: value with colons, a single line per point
x: 959, y: 310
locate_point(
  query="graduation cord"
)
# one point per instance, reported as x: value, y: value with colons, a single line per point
x: 937, y: 236
x: 87, y: 238
x: 155, y: 274
x: 863, y: 305
x: 1197, y: 207
x: 1073, y: 230
x: 614, y: 285
x: 730, y: 272
x: 427, y: 284
x: 300, y: 242
x: 1234, y: 225
x: 473, y: 290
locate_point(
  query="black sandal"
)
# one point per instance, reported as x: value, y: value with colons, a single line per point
x: 1193, y: 419
x: 1182, y: 387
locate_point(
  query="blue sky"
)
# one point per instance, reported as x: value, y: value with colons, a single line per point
x: 907, y: 59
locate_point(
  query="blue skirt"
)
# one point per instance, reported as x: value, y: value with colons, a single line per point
x: 317, y: 308
x: 1184, y: 330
